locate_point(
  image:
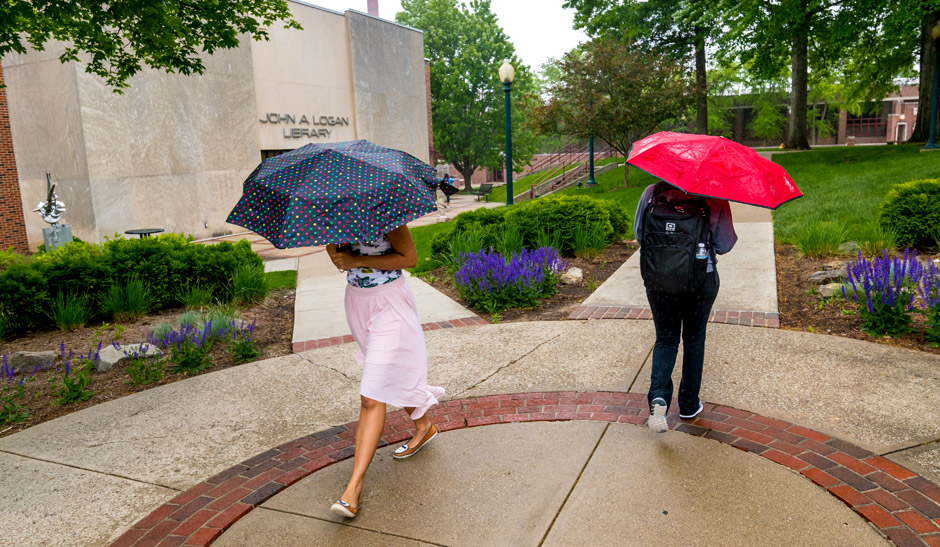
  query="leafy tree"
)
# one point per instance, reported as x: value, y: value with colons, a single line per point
x: 466, y: 46
x: 669, y: 27
x: 616, y: 93
x: 116, y: 38
x: 811, y: 40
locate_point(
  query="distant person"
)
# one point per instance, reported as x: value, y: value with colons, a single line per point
x: 448, y: 189
x: 680, y: 235
x: 381, y: 313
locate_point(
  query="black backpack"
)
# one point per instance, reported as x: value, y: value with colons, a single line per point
x: 672, y: 232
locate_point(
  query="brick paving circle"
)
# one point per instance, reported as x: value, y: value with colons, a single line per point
x: 902, y: 504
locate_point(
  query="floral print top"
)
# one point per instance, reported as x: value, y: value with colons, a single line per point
x: 372, y: 277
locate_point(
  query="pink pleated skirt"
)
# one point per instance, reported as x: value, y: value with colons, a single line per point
x: 392, y: 350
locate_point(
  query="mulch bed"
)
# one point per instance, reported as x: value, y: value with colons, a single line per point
x: 799, y: 310
x: 274, y: 328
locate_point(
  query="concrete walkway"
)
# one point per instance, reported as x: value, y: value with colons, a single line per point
x: 806, y: 440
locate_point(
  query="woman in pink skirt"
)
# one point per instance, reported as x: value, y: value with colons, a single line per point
x: 380, y: 310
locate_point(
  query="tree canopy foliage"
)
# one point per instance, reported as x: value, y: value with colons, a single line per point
x: 615, y: 93
x: 466, y: 46
x: 115, y: 39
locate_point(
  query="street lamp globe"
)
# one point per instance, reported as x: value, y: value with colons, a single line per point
x: 506, y: 72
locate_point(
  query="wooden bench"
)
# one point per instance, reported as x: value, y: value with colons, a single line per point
x: 483, y: 190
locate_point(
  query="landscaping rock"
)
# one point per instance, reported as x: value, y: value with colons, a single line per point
x: 572, y: 277
x: 109, y: 356
x: 827, y: 276
x: 849, y: 247
x: 29, y: 360
x: 829, y: 289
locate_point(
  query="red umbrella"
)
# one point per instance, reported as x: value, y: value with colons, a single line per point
x: 714, y: 167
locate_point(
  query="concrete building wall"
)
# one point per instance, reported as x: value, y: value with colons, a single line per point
x: 388, y: 80
x: 172, y: 151
x: 302, y: 82
x: 48, y: 137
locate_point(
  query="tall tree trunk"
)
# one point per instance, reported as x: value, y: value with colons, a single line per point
x: 928, y: 58
x: 466, y: 170
x: 796, y: 137
x: 701, y: 84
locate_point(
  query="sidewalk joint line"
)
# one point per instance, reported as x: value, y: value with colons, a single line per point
x: 925, y: 443
x: 575, y: 484
x: 509, y: 364
x: 351, y: 524
x: 95, y: 471
x: 649, y: 355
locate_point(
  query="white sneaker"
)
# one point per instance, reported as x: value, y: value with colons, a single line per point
x: 694, y: 414
x: 657, y: 421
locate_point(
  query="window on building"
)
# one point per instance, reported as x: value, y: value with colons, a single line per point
x: 872, y: 122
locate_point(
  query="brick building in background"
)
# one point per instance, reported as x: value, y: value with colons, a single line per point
x: 13, y: 227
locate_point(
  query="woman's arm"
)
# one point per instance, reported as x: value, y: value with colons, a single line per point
x: 404, y: 254
x: 723, y: 234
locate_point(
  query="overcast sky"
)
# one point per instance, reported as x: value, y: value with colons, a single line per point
x: 539, y: 29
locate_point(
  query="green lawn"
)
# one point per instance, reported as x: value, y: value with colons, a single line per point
x: 422, y: 236
x: 847, y: 184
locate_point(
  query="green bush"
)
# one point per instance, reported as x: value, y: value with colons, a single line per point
x: 912, y: 210
x: 10, y: 256
x: 552, y: 218
x: 128, y: 301
x: 167, y: 263
x: 819, y: 238
x: 248, y: 286
x: 562, y: 213
x: 873, y: 238
x: 619, y: 218
x: 193, y: 296
x: 72, y: 312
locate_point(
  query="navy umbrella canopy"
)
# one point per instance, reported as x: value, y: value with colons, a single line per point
x: 344, y: 192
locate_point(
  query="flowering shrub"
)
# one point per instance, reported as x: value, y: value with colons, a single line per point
x: 73, y: 388
x: 929, y: 289
x: 143, y: 368
x: 888, y: 288
x: 486, y: 280
x: 11, y: 393
x: 243, y: 348
x: 189, y: 348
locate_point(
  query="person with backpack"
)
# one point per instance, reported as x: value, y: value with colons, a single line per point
x: 680, y: 235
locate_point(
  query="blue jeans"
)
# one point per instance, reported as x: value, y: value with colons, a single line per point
x: 682, y: 315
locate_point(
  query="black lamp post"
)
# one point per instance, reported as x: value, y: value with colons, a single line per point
x: 506, y: 74
x: 590, y: 179
x: 932, y: 140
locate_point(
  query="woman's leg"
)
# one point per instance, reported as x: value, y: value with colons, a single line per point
x: 667, y: 320
x: 422, y: 425
x: 371, y: 425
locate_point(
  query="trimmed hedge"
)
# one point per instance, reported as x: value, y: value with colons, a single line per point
x: 912, y: 210
x: 561, y: 213
x: 165, y: 263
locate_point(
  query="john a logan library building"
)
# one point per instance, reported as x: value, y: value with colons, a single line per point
x: 172, y: 151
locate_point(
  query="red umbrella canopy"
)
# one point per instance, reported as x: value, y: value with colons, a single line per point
x: 714, y: 167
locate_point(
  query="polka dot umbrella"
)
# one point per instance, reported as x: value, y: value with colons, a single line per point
x: 343, y: 192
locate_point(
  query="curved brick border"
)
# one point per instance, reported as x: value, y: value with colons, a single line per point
x: 748, y: 318
x: 298, y: 347
x: 902, y: 504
